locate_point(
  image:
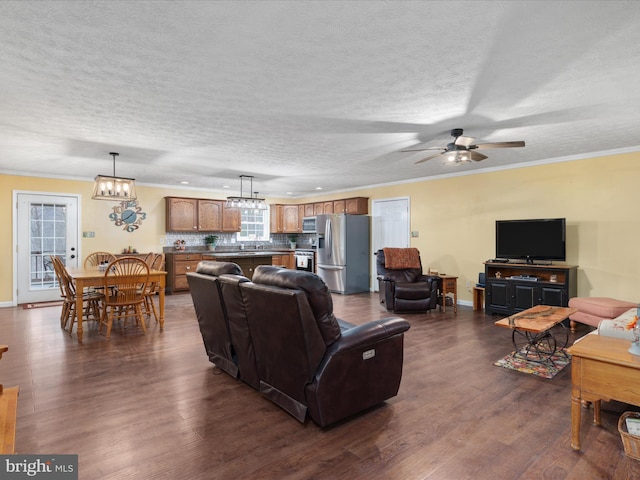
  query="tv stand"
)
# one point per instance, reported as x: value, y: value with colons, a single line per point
x: 554, y: 285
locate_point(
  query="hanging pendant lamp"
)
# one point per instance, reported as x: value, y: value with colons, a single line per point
x: 114, y: 188
x: 252, y: 202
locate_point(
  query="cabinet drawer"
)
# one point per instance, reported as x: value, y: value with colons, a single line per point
x: 180, y: 283
x: 183, y: 257
x: 184, y: 267
x: 449, y: 283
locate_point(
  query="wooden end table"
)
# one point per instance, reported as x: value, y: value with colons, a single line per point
x: 449, y: 286
x: 601, y: 369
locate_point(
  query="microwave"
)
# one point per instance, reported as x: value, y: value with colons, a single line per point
x: 309, y: 225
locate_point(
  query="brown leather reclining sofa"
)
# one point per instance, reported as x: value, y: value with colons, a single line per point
x: 278, y: 333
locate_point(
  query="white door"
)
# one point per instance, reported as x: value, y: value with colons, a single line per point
x: 390, y: 227
x: 47, y: 224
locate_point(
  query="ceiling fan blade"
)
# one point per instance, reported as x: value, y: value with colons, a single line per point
x: 429, y: 157
x: 476, y: 157
x: 498, y: 145
x: 465, y: 141
x: 423, y: 149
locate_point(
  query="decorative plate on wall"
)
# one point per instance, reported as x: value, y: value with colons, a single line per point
x: 128, y: 215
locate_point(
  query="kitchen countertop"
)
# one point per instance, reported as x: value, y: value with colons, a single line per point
x: 247, y: 253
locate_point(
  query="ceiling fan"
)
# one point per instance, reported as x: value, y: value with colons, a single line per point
x: 461, y: 150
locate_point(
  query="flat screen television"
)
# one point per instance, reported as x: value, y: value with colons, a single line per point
x: 539, y: 239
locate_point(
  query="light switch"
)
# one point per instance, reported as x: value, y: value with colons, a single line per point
x: 415, y: 234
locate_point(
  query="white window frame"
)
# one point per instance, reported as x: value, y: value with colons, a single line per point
x: 252, y: 238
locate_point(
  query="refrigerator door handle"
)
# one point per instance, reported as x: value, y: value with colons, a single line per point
x: 329, y: 238
x: 330, y: 267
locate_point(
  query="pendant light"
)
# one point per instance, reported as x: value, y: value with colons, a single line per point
x: 113, y: 188
x: 251, y: 202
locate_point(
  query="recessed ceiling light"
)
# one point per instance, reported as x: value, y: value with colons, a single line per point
x: 226, y: 186
x: 318, y: 188
x: 289, y: 193
x: 184, y: 182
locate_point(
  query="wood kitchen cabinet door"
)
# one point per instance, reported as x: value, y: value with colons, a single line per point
x: 231, y: 219
x: 327, y: 207
x: 181, y: 214
x: 357, y: 206
x: 290, y: 218
x: 339, y: 206
x: 308, y: 210
x: 210, y: 215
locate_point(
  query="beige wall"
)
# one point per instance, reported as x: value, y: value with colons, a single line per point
x: 455, y: 218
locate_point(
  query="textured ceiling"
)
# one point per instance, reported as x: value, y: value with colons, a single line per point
x: 310, y: 94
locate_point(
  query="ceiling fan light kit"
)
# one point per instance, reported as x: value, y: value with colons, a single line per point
x: 462, y: 149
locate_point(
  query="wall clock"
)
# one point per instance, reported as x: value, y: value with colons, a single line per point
x: 128, y: 215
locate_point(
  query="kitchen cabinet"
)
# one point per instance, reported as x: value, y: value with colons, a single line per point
x: 285, y: 219
x: 181, y: 214
x: 210, y: 215
x: 178, y: 265
x: 318, y: 208
x: 249, y: 264
x: 285, y: 260
x: 339, y: 206
x: 308, y: 210
x: 508, y: 291
x: 357, y: 206
x: 200, y: 215
x: 327, y: 207
x: 231, y: 219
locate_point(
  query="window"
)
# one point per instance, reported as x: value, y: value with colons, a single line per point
x: 254, y: 225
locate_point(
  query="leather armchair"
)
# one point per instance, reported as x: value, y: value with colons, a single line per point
x: 207, y: 301
x: 406, y: 290
x: 311, y: 362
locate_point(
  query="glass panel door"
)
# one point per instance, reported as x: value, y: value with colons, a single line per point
x: 47, y: 225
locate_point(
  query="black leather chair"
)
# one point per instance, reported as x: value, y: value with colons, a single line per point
x: 311, y: 362
x: 406, y: 289
x: 212, y: 315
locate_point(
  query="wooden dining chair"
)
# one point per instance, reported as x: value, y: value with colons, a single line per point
x: 57, y: 269
x: 96, y: 258
x: 155, y: 263
x: 125, y: 280
x: 92, y: 300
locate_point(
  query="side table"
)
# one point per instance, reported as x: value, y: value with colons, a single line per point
x: 449, y: 286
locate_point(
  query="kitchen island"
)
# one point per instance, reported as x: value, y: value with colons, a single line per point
x: 179, y: 263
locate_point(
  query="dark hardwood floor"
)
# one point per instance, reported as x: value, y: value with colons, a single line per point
x: 153, y: 407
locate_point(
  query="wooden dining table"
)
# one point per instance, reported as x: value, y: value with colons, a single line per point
x: 86, y: 277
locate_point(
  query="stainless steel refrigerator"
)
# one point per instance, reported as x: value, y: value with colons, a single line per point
x: 343, y: 254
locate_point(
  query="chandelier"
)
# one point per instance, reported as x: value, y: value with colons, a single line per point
x: 113, y: 188
x: 251, y: 202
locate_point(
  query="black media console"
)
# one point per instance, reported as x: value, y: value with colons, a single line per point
x: 513, y: 287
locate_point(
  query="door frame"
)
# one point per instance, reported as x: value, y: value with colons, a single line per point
x: 14, y: 227
x: 374, y: 281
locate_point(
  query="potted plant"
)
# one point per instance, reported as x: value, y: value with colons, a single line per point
x: 292, y: 241
x: 211, y: 241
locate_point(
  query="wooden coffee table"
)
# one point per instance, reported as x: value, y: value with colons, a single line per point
x: 532, y: 335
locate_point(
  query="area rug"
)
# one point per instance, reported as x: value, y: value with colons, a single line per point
x: 544, y: 370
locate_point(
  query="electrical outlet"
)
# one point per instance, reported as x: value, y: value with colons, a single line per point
x: 88, y: 234
x: 415, y: 234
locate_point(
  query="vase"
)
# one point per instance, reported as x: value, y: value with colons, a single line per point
x: 635, y: 344
x: 211, y: 247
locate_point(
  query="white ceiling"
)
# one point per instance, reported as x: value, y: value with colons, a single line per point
x: 309, y: 94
